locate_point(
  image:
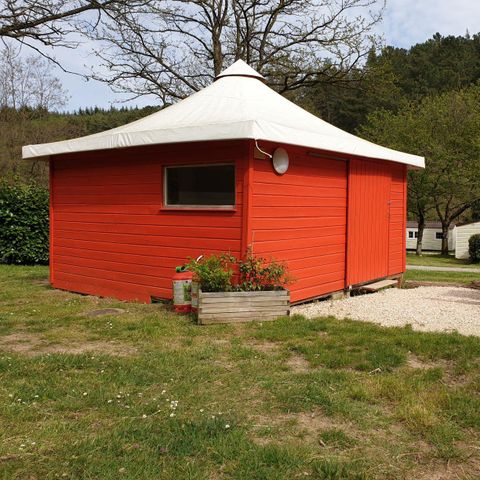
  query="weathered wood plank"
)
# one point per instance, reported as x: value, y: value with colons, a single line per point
x: 242, y: 300
x: 275, y: 293
x: 246, y: 309
x: 216, y: 320
x: 375, y: 287
x: 249, y: 314
x: 236, y: 307
x: 265, y: 303
x: 233, y: 307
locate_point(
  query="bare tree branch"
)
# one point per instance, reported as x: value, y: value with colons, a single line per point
x: 171, y: 48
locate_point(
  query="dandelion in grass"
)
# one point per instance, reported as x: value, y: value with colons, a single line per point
x: 227, y: 426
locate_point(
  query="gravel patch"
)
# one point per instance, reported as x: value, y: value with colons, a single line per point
x: 424, y: 308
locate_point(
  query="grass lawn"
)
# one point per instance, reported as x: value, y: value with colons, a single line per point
x: 146, y: 394
x: 445, y: 276
x: 435, y: 260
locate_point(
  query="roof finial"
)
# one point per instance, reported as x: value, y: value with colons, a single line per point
x: 240, y: 69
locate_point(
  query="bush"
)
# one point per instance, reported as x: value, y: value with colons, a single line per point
x: 258, y: 273
x: 213, y: 273
x: 23, y: 224
x: 474, y: 248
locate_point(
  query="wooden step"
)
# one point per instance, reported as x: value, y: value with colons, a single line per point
x: 380, y: 285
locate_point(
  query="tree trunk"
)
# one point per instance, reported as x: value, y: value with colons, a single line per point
x: 445, y: 228
x: 421, y: 228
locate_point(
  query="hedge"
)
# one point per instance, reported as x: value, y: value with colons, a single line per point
x: 23, y: 224
x: 474, y: 248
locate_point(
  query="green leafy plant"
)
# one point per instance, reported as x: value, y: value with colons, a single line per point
x: 214, y: 272
x: 24, y: 220
x: 474, y: 248
x: 258, y: 273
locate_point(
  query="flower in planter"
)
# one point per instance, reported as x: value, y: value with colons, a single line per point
x: 258, y: 273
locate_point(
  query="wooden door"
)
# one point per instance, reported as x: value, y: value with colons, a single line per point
x: 368, y: 221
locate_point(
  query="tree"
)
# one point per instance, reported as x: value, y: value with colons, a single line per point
x: 28, y: 91
x: 55, y: 23
x: 392, y: 76
x: 27, y: 82
x: 175, y: 47
x: 445, y: 129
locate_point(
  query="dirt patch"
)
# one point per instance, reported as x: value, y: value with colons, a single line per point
x: 475, y: 285
x: 31, y: 345
x: 105, y: 311
x: 414, y: 362
x: 298, y: 364
x: 450, y: 377
x: 306, y: 425
x: 312, y: 423
x: 268, y: 348
x: 450, y: 470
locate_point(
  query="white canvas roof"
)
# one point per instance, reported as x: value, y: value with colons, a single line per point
x: 238, y: 105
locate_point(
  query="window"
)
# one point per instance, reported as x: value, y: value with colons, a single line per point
x: 412, y: 234
x: 438, y: 235
x: 200, y: 186
x: 416, y: 234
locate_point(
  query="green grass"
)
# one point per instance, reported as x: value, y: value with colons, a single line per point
x: 85, y: 397
x: 436, y: 260
x: 444, y: 276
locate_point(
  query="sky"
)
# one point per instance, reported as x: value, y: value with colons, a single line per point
x: 405, y: 23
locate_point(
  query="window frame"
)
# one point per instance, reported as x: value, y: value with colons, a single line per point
x: 437, y: 237
x: 167, y: 206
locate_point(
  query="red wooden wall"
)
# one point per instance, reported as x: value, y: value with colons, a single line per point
x: 111, y: 236
x: 300, y: 218
x: 109, y: 233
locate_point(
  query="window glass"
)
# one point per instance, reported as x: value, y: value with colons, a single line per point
x: 203, y: 185
x: 410, y: 234
x: 438, y: 235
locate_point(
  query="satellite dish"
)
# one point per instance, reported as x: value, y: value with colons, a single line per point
x: 280, y: 161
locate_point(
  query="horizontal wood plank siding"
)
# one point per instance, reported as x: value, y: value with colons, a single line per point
x: 300, y: 218
x: 110, y: 235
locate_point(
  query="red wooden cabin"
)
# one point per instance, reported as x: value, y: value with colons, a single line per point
x: 129, y: 205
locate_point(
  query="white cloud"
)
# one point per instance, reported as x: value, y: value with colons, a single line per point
x: 407, y: 22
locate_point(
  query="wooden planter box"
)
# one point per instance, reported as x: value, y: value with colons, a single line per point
x: 233, y: 307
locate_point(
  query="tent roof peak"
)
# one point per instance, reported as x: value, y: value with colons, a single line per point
x: 240, y: 69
